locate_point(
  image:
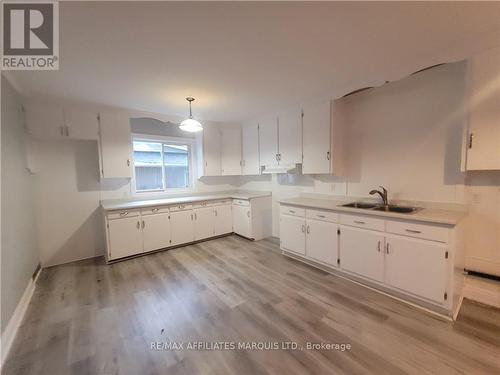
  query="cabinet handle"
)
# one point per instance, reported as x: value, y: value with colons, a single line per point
x: 308, y: 229
x: 191, y: 217
x: 138, y: 225
x: 67, y: 131
x: 143, y: 224
x: 359, y: 222
x: 413, y: 231
x: 128, y: 162
x: 303, y: 228
x: 155, y: 209
x: 378, y: 246
x: 322, y: 216
x: 123, y: 213
x: 328, y: 155
x: 215, y: 212
x: 292, y: 211
x: 277, y: 157
x: 61, y: 130
x: 248, y: 213
x: 195, y: 217
x: 471, y: 138
x: 387, y: 248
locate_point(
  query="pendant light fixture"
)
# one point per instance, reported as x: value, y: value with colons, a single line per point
x: 190, y: 124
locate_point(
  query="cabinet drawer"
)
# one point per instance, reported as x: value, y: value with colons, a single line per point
x: 332, y: 217
x: 241, y: 202
x: 154, y: 210
x: 294, y: 211
x: 122, y: 214
x: 363, y: 222
x: 424, y: 231
x: 223, y: 202
x: 181, y: 207
x: 202, y: 204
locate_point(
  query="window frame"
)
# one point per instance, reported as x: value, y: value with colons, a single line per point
x: 164, y: 140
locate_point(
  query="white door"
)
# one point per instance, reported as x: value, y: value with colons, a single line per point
x: 241, y: 221
x: 250, y: 145
x: 182, y: 227
x: 362, y: 252
x: 115, y: 145
x: 125, y: 237
x: 231, y: 152
x: 156, y: 231
x: 223, y: 219
x: 44, y: 121
x: 322, y: 241
x: 268, y: 141
x: 416, y: 266
x: 290, y: 137
x: 204, y: 226
x: 293, y: 234
x: 316, y: 138
x: 211, y: 151
x: 81, y: 124
x: 483, y: 143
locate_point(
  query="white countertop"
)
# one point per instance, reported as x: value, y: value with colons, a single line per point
x: 128, y: 204
x: 430, y: 215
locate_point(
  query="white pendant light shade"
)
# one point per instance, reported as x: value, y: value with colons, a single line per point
x: 190, y: 124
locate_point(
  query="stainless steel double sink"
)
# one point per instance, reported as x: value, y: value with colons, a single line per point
x: 378, y: 207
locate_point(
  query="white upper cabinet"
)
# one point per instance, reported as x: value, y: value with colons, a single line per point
x: 50, y: 121
x: 483, y: 138
x: 231, y: 152
x: 316, y: 123
x: 289, y: 137
x: 211, y: 151
x: 115, y: 145
x: 268, y: 141
x: 81, y: 124
x: 250, y: 149
x: 44, y: 121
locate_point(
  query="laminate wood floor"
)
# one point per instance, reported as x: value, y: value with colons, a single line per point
x: 91, y: 318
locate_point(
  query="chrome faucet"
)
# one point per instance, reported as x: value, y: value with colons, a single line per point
x: 383, y: 194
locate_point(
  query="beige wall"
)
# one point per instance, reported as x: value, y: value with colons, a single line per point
x: 19, y: 255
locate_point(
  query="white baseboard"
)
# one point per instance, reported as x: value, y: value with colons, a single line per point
x: 16, y: 319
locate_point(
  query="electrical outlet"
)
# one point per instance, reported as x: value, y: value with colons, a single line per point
x: 476, y: 197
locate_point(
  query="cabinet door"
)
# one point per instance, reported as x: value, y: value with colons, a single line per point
x: 204, y: 226
x: 483, y: 143
x: 223, y: 219
x: 316, y: 138
x: 125, y: 237
x: 290, y: 138
x: 293, y: 234
x: 44, y: 121
x: 241, y: 221
x: 322, y: 241
x: 115, y: 145
x: 416, y: 266
x: 268, y: 141
x: 361, y: 252
x: 182, y: 227
x: 81, y: 124
x: 156, y: 231
x: 211, y: 151
x: 231, y: 152
x: 250, y: 144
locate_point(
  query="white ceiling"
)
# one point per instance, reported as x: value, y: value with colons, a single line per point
x: 244, y: 59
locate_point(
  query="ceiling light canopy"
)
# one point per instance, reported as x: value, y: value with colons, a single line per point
x: 190, y: 124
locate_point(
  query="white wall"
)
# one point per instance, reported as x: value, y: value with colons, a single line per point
x: 19, y: 256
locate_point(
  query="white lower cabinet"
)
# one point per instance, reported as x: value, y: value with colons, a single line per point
x: 322, y: 241
x: 182, y: 227
x: 242, y: 220
x: 124, y: 237
x: 204, y: 225
x: 417, y: 266
x: 223, y: 219
x: 156, y: 231
x: 362, y: 252
x: 292, y: 233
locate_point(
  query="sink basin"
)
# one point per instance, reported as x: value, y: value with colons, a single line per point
x: 360, y: 205
x: 398, y: 209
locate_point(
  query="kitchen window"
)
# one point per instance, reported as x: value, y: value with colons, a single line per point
x: 162, y: 165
